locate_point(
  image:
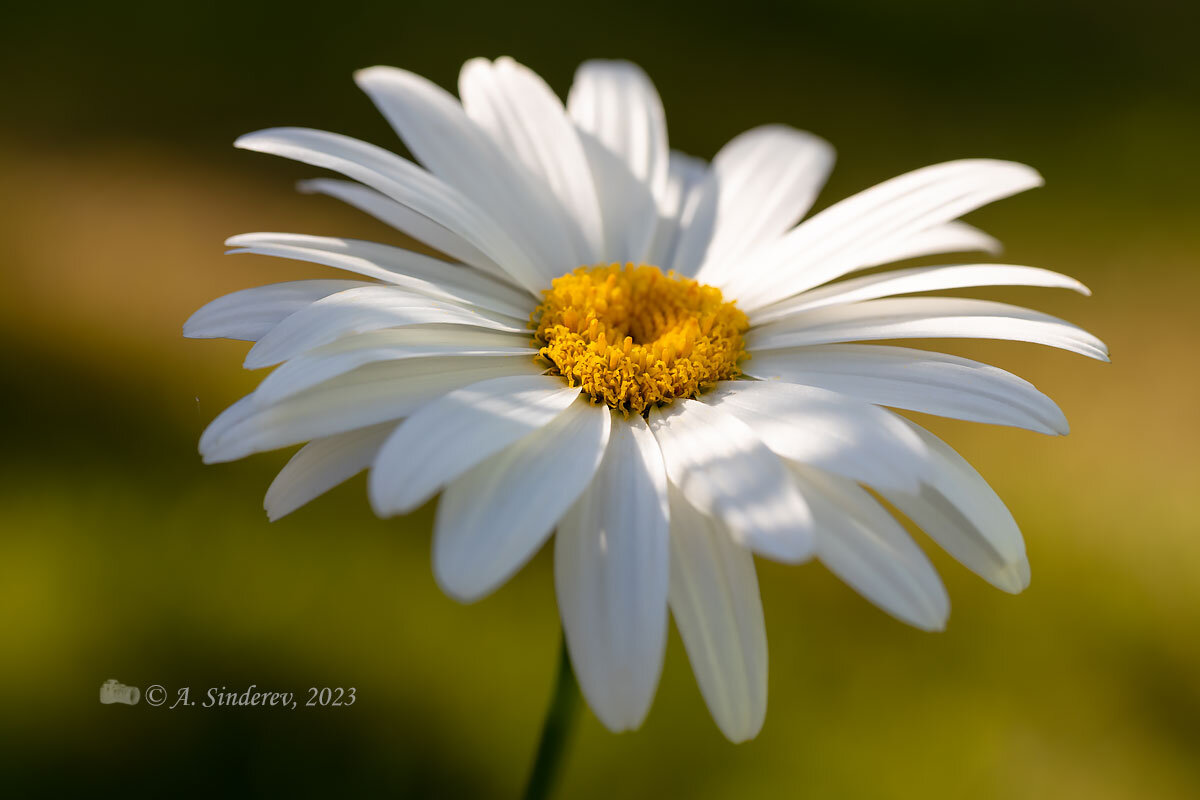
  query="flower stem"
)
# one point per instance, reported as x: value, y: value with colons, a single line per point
x: 556, y: 729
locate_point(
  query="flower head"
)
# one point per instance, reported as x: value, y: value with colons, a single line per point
x: 644, y: 354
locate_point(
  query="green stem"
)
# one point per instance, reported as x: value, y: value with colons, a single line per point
x: 556, y: 729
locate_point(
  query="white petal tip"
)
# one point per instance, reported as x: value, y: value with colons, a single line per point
x: 1058, y: 426
x: 258, y: 360
x: 741, y: 735
x: 460, y: 591
x: 255, y: 238
x: 618, y: 725
x: 793, y: 550
x: 380, y: 509
x: 374, y: 75
x: 990, y: 245
x: 1093, y: 348
x: 1048, y: 419
x: 276, y: 505
x: 1030, y: 177
x: 1013, y: 578
x: 472, y: 64
x: 251, y: 141
x: 932, y: 618
x: 220, y: 449
x: 384, y: 510
x: 384, y: 506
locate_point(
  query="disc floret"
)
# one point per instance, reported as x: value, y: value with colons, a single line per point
x: 633, y: 337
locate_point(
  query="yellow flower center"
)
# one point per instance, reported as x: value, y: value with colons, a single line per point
x: 632, y: 337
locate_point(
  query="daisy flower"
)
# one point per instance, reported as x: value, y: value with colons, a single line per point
x: 645, y: 354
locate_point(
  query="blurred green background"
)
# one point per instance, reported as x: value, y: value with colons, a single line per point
x: 121, y: 556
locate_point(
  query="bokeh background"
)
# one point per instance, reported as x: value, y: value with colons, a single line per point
x: 121, y: 556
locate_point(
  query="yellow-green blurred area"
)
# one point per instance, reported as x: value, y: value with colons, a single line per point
x: 121, y: 556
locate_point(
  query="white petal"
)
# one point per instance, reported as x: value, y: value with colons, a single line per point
x: 866, y: 547
x: 407, y: 184
x: 611, y: 572
x: 527, y: 120
x: 767, y: 179
x: 405, y: 268
x: 321, y: 465
x: 949, y: 237
x: 915, y: 279
x: 616, y: 102
x: 685, y: 178
x: 962, y: 513
x: 847, y: 235
x: 494, y: 518
x: 405, y: 220
x: 723, y: 469
x: 915, y: 380
x: 359, y: 311
x: 826, y: 430
x: 438, y: 131
x: 627, y: 207
x: 445, y: 439
x: 714, y: 599
x: 418, y: 341
x: 251, y: 313
x: 924, y: 318
x: 697, y: 223
x: 367, y: 396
